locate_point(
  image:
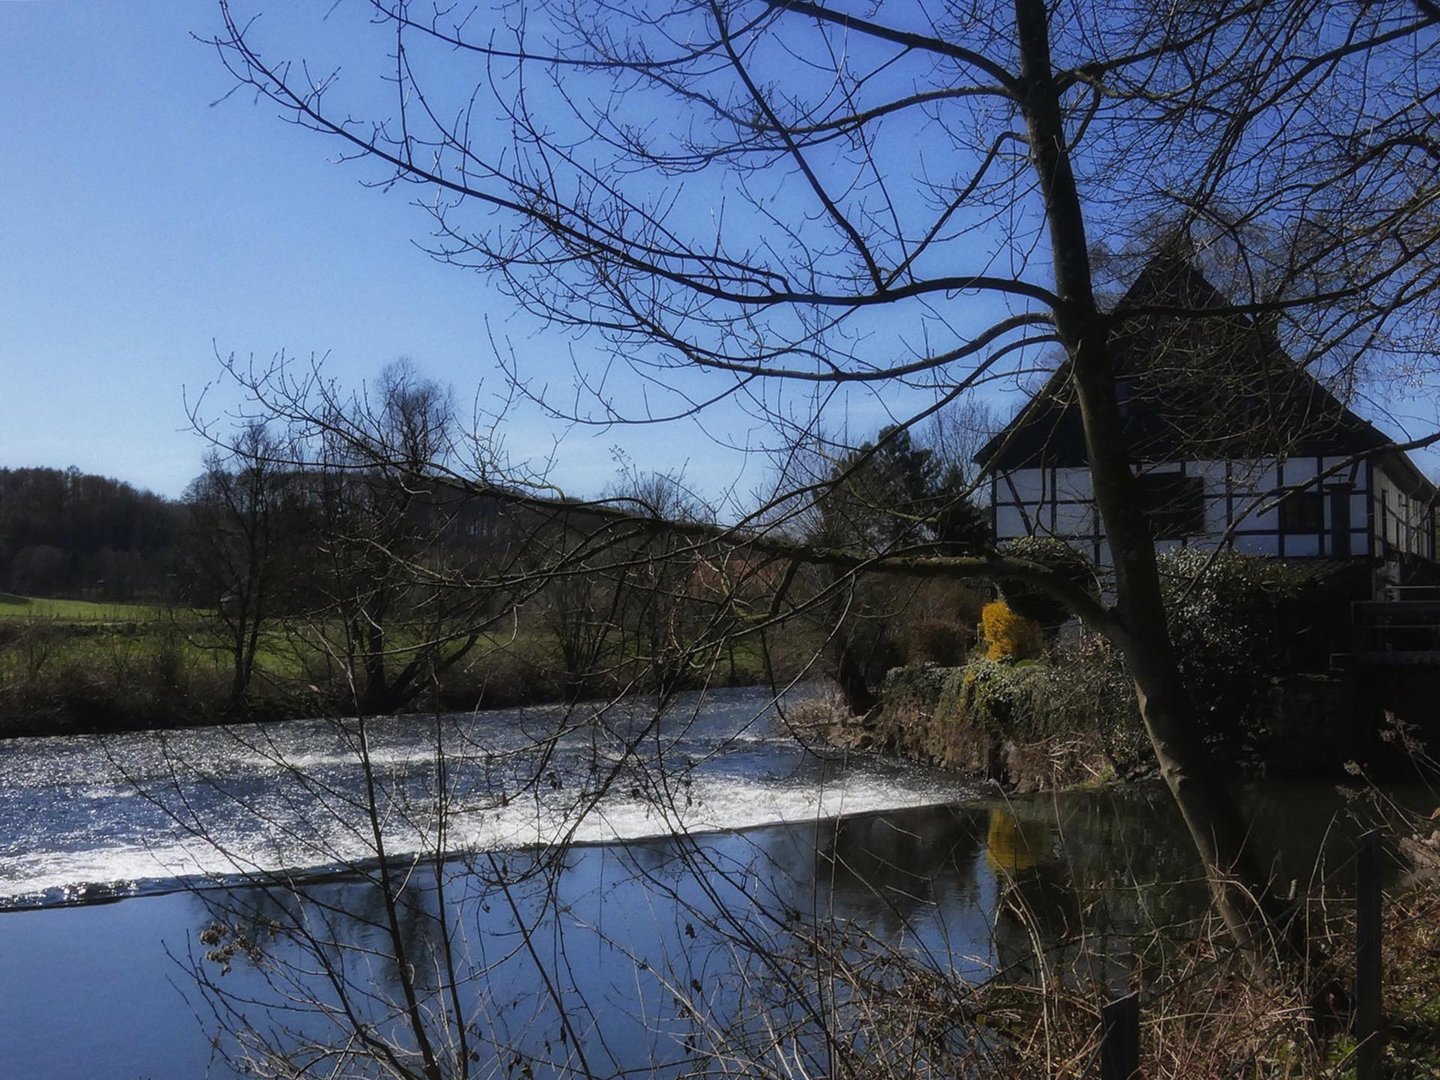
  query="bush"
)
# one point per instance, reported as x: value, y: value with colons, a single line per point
x: 993, y: 696
x: 937, y: 641
x: 918, y: 685
x: 1233, y: 620
x: 1010, y: 636
x: 1078, y: 690
x: 501, y: 677
x: 1086, y: 689
x: 1036, y: 604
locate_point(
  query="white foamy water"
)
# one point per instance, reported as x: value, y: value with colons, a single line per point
x: 94, y: 817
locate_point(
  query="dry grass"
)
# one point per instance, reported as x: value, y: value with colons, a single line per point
x: 1412, y: 980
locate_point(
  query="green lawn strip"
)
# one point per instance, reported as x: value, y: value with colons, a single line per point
x: 59, y: 655
x: 37, y: 607
x: 106, y: 646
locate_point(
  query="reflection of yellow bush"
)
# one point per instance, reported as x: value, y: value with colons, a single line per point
x: 1005, y: 844
x: 1011, y: 636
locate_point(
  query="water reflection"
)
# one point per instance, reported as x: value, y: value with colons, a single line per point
x: 658, y: 955
x: 667, y: 956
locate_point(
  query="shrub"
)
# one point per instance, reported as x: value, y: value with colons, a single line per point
x: 1233, y: 619
x: 993, y: 696
x: 1086, y: 689
x: 937, y: 641
x: 1034, y: 603
x: 499, y: 678
x: 1080, y: 691
x: 1009, y: 635
x: 917, y: 684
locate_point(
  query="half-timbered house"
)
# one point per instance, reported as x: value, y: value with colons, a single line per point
x: 1233, y: 443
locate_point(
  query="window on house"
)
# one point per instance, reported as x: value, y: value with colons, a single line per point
x: 1174, y: 504
x: 1303, y: 512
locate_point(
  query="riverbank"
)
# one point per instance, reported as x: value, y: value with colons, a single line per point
x: 1069, y: 721
x: 1068, y: 718
x: 63, y: 673
x: 1202, y: 1015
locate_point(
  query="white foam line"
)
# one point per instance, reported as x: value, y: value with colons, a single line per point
x: 716, y: 806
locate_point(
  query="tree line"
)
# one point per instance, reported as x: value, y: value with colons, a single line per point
x: 73, y: 534
x: 340, y: 519
x: 328, y: 535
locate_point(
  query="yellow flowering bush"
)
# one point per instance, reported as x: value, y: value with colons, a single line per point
x: 1010, y: 636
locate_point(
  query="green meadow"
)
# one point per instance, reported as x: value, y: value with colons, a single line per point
x: 34, y: 607
x: 71, y: 666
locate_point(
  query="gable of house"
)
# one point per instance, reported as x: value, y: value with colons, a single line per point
x: 1190, y: 385
x: 1220, y: 423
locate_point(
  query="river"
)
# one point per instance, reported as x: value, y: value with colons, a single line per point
x: 591, y: 892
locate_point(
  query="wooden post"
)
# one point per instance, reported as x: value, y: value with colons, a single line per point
x: 1120, y: 1041
x: 1367, y: 958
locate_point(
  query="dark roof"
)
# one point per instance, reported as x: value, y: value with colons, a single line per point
x: 1194, y: 388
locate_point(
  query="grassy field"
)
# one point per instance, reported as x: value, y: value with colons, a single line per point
x: 31, y: 607
x: 69, y: 666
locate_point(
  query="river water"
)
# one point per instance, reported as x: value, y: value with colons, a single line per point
x: 591, y: 892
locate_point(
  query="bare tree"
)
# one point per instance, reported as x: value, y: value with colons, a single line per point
x: 886, y: 494
x: 617, y: 601
x: 581, y: 613
x: 956, y: 434
x: 661, y: 613
x: 742, y: 197
x: 383, y: 513
x: 235, y: 533
x: 391, y: 573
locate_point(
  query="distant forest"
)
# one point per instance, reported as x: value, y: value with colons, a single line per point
x: 71, y: 534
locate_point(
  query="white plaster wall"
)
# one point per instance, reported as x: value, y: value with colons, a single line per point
x: 1252, y: 488
x: 1212, y: 471
x: 1351, y: 473
x: 1029, y: 485
x: 1405, y: 518
x: 1074, y: 519
x: 1216, y: 517
x: 1360, y: 512
x: 1256, y: 475
x: 1009, y: 523
x: 1073, y: 484
x: 1298, y: 472
x: 1256, y: 510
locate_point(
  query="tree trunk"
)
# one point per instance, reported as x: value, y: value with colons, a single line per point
x: 854, y: 688
x: 1170, y: 719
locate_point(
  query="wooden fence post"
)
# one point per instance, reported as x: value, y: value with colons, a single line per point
x: 1120, y: 1038
x: 1367, y: 958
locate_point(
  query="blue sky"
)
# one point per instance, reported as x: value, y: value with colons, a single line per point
x: 143, y: 226
x: 152, y: 215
